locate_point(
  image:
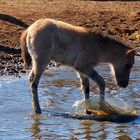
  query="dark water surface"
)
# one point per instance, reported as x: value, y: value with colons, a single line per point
x: 58, y: 91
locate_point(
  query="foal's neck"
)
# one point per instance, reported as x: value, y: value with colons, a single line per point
x: 108, y: 48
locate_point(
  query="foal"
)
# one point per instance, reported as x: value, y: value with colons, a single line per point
x: 49, y: 39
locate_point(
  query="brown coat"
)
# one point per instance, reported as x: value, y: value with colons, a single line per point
x: 49, y: 39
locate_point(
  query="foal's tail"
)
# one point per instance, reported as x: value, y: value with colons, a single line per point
x: 24, y: 51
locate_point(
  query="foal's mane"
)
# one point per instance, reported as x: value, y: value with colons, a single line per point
x: 106, y: 38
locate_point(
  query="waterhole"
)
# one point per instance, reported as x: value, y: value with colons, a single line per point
x: 59, y: 88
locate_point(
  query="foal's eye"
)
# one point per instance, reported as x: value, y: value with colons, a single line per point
x: 128, y: 66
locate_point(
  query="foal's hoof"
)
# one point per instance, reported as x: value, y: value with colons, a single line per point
x: 38, y: 111
x: 89, y: 112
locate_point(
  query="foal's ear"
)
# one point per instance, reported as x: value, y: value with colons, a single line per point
x: 135, y: 52
x: 131, y: 53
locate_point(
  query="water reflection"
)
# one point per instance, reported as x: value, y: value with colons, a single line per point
x: 87, y: 130
x: 35, y: 129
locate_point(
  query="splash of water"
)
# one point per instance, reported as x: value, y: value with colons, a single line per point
x: 110, y: 106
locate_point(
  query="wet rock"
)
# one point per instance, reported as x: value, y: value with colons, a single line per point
x: 54, y: 64
x: 22, y: 71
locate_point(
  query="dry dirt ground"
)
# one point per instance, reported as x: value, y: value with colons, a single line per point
x: 120, y: 19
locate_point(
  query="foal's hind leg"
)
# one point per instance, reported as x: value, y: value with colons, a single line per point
x: 34, y: 80
x: 35, y: 75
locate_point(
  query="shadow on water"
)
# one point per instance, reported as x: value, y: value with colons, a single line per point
x: 58, y: 90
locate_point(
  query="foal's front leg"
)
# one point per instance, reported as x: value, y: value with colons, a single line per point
x: 85, y: 89
x: 92, y: 74
x: 85, y: 85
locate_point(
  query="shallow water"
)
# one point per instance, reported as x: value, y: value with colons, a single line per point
x: 58, y: 91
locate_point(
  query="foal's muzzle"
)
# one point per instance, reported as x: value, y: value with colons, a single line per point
x: 123, y: 83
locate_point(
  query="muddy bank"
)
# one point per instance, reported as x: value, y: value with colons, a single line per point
x: 119, y: 19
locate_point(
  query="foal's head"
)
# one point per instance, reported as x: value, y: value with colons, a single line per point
x: 123, y: 66
x: 120, y: 55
